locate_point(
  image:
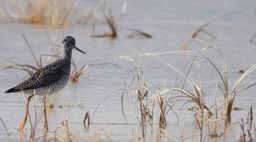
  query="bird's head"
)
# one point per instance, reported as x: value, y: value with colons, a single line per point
x: 70, y: 43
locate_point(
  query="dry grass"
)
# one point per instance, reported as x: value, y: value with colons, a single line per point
x: 217, y: 121
x: 231, y: 98
x: 228, y: 96
x: 247, y: 128
x: 202, y: 29
x: 163, y: 104
x: 196, y: 97
x: 149, y: 103
x: 64, y: 132
x: 138, y: 88
x: 216, y: 124
x: 216, y: 127
x: 49, y: 13
x: 29, y: 68
x: 111, y: 21
x: 138, y: 34
x: 76, y: 73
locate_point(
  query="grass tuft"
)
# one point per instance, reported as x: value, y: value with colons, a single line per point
x: 64, y: 132
x: 49, y: 13
x: 111, y: 21
x: 202, y: 29
x: 76, y: 73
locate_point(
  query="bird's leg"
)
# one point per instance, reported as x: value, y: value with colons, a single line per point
x: 45, y: 117
x: 26, y: 115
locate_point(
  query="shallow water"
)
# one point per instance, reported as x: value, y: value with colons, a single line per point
x: 170, y: 23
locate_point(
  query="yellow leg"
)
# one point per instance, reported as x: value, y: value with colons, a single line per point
x: 26, y: 115
x: 45, y: 117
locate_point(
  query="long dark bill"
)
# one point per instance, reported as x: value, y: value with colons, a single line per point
x: 79, y: 50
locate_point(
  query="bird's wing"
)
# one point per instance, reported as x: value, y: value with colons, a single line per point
x: 42, y: 78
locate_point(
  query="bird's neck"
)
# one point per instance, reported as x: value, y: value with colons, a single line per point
x: 67, y: 54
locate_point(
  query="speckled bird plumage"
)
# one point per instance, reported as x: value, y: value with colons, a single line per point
x: 51, y: 78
